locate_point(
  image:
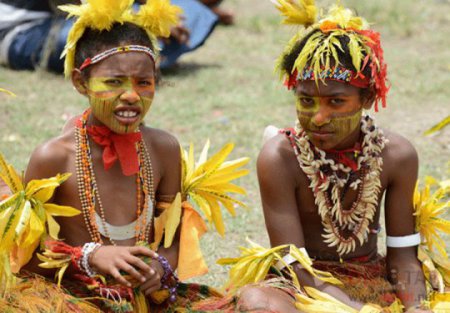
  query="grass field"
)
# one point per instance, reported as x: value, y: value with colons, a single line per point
x: 226, y: 91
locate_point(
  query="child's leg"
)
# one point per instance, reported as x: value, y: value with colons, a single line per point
x: 265, y: 299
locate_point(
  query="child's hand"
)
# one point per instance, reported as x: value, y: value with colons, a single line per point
x: 110, y: 260
x: 152, y: 279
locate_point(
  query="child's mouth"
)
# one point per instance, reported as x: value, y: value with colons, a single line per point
x: 127, y: 116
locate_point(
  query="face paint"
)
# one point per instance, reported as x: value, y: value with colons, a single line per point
x: 339, y: 122
x: 120, y: 103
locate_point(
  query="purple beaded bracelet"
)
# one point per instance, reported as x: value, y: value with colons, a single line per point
x: 168, y: 273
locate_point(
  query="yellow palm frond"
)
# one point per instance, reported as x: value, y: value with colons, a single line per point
x: 256, y: 261
x: 9, y: 175
x: 208, y: 182
x: 26, y: 218
x: 429, y: 206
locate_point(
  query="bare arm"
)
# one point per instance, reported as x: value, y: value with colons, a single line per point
x: 404, y: 267
x: 46, y: 161
x: 277, y: 171
x: 170, y: 184
x: 168, y: 161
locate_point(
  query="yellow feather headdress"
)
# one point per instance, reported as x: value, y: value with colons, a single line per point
x: 156, y: 17
x: 319, y: 57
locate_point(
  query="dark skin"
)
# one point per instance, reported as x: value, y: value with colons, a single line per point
x: 291, y: 214
x: 117, y: 191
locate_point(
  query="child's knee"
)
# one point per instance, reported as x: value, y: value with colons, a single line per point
x: 265, y: 299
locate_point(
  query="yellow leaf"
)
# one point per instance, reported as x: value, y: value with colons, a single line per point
x: 60, y: 210
x: 7, y: 92
x: 445, y: 122
x: 9, y: 175
x: 53, y: 226
x: 43, y: 189
x: 173, y: 220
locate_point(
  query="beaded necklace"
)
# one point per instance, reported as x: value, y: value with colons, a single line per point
x: 330, y: 180
x: 89, y: 191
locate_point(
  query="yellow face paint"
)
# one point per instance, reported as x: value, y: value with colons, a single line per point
x: 336, y: 122
x: 120, y: 103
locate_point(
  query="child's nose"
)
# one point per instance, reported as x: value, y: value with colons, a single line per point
x: 130, y: 96
x: 321, y: 117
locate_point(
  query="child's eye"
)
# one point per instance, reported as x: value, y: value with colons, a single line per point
x: 337, y: 101
x: 145, y: 83
x: 113, y: 82
x: 307, y: 101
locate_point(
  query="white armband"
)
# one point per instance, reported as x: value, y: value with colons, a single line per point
x: 288, y: 259
x: 403, y: 241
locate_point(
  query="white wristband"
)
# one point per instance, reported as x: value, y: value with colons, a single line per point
x: 403, y: 241
x: 288, y: 259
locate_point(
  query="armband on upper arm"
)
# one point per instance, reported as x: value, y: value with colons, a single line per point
x: 403, y: 241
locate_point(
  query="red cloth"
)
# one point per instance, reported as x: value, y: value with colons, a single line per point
x: 344, y: 159
x: 120, y: 147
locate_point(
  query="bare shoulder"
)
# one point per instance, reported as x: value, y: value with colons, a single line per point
x: 164, y: 150
x: 51, y: 157
x: 277, y: 157
x: 399, y: 155
x: 160, y: 140
x: 398, y: 150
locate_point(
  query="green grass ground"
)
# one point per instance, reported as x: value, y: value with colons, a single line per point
x: 226, y: 91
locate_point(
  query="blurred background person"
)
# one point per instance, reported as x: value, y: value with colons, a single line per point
x: 33, y: 32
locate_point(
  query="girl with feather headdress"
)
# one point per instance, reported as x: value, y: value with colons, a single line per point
x: 112, y: 223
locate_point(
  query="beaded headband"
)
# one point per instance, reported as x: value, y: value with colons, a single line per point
x: 340, y: 74
x: 110, y: 52
x: 321, y: 45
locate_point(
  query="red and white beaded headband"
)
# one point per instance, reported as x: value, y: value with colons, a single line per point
x: 122, y: 49
x: 336, y: 73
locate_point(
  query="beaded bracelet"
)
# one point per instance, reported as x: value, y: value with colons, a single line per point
x: 168, y: 273
x: 83, y: 262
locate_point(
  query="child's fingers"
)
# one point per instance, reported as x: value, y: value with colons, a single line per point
x: 128, y: 268
x: 139, y: 264
x: 139, y: 250
x: 119, y: 278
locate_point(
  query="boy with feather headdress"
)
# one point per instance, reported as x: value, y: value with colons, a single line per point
x: 322, y: 183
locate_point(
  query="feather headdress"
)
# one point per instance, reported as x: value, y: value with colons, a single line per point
x: 156, y: 17
x: 320, y: 54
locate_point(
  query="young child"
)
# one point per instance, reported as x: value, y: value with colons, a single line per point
x: 323, y: 181
x: 126, y: 177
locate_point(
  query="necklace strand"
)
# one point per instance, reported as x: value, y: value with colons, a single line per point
x: 328, y: 187
x: 89, y: 191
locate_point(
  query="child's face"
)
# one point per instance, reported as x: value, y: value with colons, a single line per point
x: 328, y: 113
x: 121, y: 89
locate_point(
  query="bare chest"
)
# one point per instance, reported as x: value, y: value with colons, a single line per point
x: 313, y: 224
x: 118, y: 199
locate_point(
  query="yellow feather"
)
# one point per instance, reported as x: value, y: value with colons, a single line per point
x: 302, y: 12
x: 159, y: 16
